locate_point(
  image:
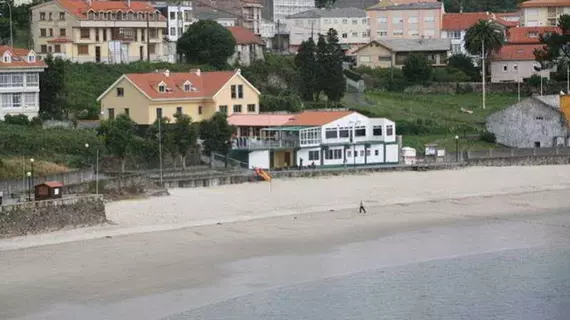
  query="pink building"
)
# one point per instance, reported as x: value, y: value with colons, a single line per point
x: 405, y: 19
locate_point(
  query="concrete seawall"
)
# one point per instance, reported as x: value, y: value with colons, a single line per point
x: 48, y: 215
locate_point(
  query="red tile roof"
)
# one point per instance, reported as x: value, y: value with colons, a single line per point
x: 545, y: 3
x: 80, y: 8
x: 528, y: 35
x: 462, y: 21
x: 19, y: 58
x: 53, y: 184
x: 259, y: 120
x: 205, y: 85
x: 316, y: 118
x: 245, y: 36
x: 517, y: 52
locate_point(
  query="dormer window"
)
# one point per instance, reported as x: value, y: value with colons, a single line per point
x: 6, y: 58
x: 162, y: 87
x: 533, y: 34
x: 187, y: 86
x: 31, y: 58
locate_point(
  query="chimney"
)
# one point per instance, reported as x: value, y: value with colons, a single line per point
x: 128, y: 3
x: 167, y: 72
x: 89, y: 3
x: 196, y: 71
x: 238, y: 71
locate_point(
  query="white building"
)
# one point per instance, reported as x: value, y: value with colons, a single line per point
x: 224, y: 18
x: 267, y: 32
x: 278, y: 11
x: 319, y: 138
x: 350, y: 23
x: 19, y: 82
x: 178, y: 18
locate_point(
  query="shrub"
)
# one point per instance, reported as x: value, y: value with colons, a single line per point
x: 18, y: 119
x: 488, y: 137
x: 352, y: 75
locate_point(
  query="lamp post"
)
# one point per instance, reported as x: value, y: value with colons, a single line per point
x: 539, y: 69
x: 29, y: 174
x: 32, y: 170
x: 87, y: 155
x: 456, y: 148
x: 483, y: 71
x: 10, y: 18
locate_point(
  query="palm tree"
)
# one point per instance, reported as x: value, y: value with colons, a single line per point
x: 483, y: 39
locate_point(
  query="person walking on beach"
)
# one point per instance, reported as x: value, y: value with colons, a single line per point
x: 361, y: 209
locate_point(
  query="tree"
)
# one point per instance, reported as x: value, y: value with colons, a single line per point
x: 306, y: 63
x: 463, y: 63
x: 162, y: 138
x: 329, y: 58
x: 118, y: 135
x: 556, y: 48
x: 183, y: 135
x: 52, y: 82
x: 417, y: 68
x: 216, y: 134
x: 207, y: 42
x: 484, y: 32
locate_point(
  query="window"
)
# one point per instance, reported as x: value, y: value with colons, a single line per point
x: 31, y: 58
x: 43, y: 48
x: 32, y: 79
x: 539, y: 118
x: 397, y: 20
x: 360, y: 132
x: 326, y: 21
x: 42, y: 16
x: 187, y: 87
x: 368, y: 152
x: 158, y: 113
x: 83, y: 49
x: 345, y: 35
x: 199, y: 109
x: 62, y: 16
x: 111, y: 113
x: 251, y: 108
x: 355, y: 34
x: 456, y: 48
x: 30, y: 99
x: 240, y: 91
x: 49, y: 48
x: 50, y: 16
x: 172, y: 31
x: 104, y: 35
x: 333, y: 154
x: 505, y: 68
x: 354, y: 21
x: 348, y: 154
x: 128, y: 112
x: 413, y: 20
x: 172, y: 15
x: 42, y: 32
x: 120, y: 92
x: 376, y: 152
x: 237, y: 108
x: 16, y: 100
x: 382, y: 20
x: 390, y: 130
x: 161, y: 88
x: 454, y: 34
x: 364, y: 21
x: 344, y: 133
x: 344, y: 21
x: 51, y: 32
x: 398, y: 32
x: 515, y: 67
x: 429, y: 19
x: 365, y: 34
x: 362, y: 153
x: 233, y: 91
x: 178, y: 110
x: 223, y: 109
x: 152, y: 48
x: 377, y: 131
x: 17, y: 80
x: 331, y: 134
x: 382, y: 33
x: 314, y: 155
x: 153, y: 33
x: 85, y: 33
x: 62, y: 32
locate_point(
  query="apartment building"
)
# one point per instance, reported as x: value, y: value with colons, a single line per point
x: 146, y: 97
x: 455, y: 25
x: 98, y: 31
x: 178, y: 18
x: 19, y: 82
x: 224, y: 18
x: 350, y: 23
x: 535, y: 13
x: 405, y: 20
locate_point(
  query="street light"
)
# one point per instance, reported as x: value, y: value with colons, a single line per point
x: 10, y: 17
x: 456, y: 148
x: 29, y: 174
x: 87, y: 154
x: 32, y: 170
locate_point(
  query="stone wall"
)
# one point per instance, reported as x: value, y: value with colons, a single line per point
x: 72, y: 177
x: 131, y: 184
x: 48, y: 215
x: 520, y: 161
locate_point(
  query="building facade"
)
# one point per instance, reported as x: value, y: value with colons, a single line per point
x: 223, y: 18
x: 516, y: 62
x: 539, y: 13
x: 146, y: 97
x: 322, y: 138
x: 249, y: 47
x: 394, y: 52
x: 416, y: 20
x: 19, y: 82
x: 98, y: 31
x: 534, y: 122
x: 350, y: 23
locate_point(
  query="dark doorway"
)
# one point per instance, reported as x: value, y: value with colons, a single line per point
x: 97, y: 54
x: 537, y: 144
x: 141, y: 52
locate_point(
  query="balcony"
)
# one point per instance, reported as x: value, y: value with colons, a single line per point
x: 246, y: 143
x: 123, y: 34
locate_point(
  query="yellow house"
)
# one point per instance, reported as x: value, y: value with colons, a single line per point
x: 148, y: 96
x: 98, y: 30
x: 394, y: 52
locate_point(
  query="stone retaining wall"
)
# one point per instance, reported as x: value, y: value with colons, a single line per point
x: 520, y: 161
x: 48, y: 215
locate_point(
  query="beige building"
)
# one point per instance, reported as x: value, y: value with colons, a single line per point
x: 98, y: 31
x: 516, y: 62
x: 148, y: 96
x: 394, y: 52
x: 19, y: 82
x: 538, y: 13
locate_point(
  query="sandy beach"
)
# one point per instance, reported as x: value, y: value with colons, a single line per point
x: 282, y: 197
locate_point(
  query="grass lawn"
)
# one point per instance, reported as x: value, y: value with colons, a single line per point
x: 11, y: 168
